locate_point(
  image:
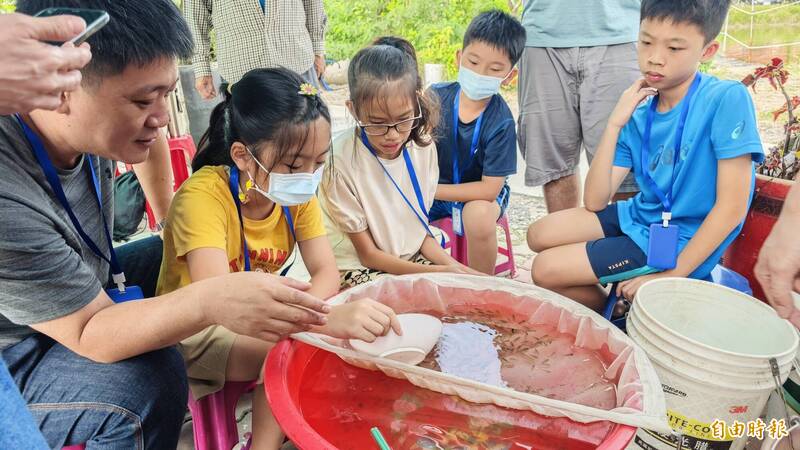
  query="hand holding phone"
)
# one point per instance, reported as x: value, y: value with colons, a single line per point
x: 95, y: 20
x: 33, y: 74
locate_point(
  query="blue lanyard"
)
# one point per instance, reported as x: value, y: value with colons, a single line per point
x: 473, y: 149
x: 665, y: 198
x: 414, y: 182
x: 55, y: 184
x: 234, y: 185
x: 262, y: 4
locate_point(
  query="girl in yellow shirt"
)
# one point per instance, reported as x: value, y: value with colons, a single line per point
x: 249, y: 201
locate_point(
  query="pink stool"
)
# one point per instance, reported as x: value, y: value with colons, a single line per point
x: 214, y: 417
x: 181, y: 152
x: 458, y: 245
x: 75, y: 447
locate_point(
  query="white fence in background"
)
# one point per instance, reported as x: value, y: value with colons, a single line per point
x: 745, y: 47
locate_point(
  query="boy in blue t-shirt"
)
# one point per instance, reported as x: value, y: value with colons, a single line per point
x: 693, y: 200
x: 476, y: 140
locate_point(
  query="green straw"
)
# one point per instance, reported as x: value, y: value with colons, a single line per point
x: 376, y: 434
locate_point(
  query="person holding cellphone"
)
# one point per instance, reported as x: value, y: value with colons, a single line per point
x: 23, y: 87
x: 94, y: 368
x: 34, y: 74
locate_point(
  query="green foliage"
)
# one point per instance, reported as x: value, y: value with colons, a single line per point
x: 7, y: 6
x: 778, y: 26
x: 435, y: 27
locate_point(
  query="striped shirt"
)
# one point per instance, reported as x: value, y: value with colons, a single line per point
x: 286, y: 33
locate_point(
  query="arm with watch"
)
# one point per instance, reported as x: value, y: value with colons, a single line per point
x: 155, y: 176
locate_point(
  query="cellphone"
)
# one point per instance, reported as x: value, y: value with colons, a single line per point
x: 95, y: 20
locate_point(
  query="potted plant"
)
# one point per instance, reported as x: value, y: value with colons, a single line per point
x: 774, y: 177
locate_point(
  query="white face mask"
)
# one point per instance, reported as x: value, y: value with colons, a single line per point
x: 476, y: 86
x: 288, y: 189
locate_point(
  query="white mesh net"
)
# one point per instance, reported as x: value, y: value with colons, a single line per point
x: 639, y: 400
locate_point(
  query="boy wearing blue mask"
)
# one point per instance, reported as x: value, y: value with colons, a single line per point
x: 690, y: 140
x: 476, y: 139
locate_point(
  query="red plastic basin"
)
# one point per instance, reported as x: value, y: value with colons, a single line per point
x: 323, y: 403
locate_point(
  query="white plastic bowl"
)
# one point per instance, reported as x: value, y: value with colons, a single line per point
x: 420, y: 334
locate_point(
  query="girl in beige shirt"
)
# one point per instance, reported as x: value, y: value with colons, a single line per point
x: 382, y: 176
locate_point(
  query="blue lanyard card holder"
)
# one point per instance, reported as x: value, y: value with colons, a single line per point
x: 662, y: 250
x: 458, y: 222
x: 130, y: 293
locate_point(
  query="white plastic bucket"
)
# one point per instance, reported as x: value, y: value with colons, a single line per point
x: 711, y: 347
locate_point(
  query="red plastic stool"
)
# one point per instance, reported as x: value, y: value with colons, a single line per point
x: 75, y: 447
x: 181, y: 153
x: 214, y: 417
x: 458, y: 245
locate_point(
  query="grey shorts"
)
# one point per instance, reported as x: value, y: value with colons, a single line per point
x: 311, y: 76
x: 565, y: 98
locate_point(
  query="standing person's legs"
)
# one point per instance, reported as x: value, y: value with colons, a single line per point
x: 138, y: 403
x: 608, y: 71
x: 311, y: 76
x: 549, y: 124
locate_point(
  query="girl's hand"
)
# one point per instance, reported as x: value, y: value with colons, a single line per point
x: 628, y: 103
x: 363, y: 319
x: 454, y: 267
x: 457, y: 267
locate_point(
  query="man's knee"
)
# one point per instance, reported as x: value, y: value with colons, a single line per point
x: 480, y: 218
x: 161, y: 376
x: 159, y: 380
x: 138, y: 400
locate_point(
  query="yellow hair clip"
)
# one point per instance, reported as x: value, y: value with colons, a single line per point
x: 308, y: 89
x: 243, y: 194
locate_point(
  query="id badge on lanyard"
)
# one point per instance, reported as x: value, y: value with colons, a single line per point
x: 130, y: 293
x: 458, y: 223
x: 458, y: 207
x: 121, y: 293
x: 662, y: 249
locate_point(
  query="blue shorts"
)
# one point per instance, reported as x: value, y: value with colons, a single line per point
x: 441, y: 208
x: 615, y: 257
